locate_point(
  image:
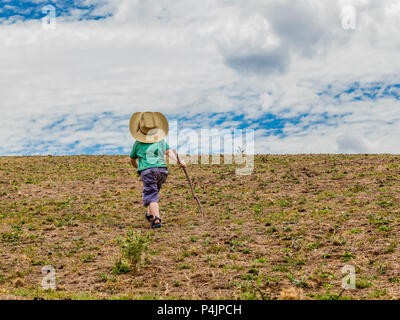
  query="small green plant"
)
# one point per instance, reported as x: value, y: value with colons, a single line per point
x: 384, y: 228
x: 339, y: 241
x: 258, y: 208
x: 391, y: 280
x: 132, y: 249
x: 176, y: 283
x: 347, y: 256
x: 253, y: 270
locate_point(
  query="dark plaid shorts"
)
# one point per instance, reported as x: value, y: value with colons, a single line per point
x: 153, y: 179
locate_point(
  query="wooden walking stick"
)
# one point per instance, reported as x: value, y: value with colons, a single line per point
x: 191, y: 185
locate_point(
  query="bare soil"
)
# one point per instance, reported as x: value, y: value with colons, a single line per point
x: 291, y: 226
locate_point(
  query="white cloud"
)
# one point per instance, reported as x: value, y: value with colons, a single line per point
x: 202, y: 57
x: 353, y: 144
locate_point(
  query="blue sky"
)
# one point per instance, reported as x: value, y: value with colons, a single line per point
x: 286, y: 69
x: 31, y: 10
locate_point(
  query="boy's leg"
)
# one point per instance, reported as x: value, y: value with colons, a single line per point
x: 162, y: 174
x: 154, y: 210
x: 148, y: 212
x: 150, y: 192
x: 152, y: 180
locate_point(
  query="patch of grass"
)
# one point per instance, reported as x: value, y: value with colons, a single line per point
x: 121, y: 267
x: 328, y: 296
x: 378, y: 293
x: 280, y: 268
x: 300, y: 283
x: 285, y: 203
x: 88, y: 257
x: 385, y: 203
x: 363, y: 283
x: 394, y: 280
x: 392, y: 246
x: 183, y: 266
x: 10, y: 237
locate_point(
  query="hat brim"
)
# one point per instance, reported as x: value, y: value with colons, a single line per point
x: 155, y: 135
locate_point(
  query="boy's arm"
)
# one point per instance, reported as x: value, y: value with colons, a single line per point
x: 133, y: 156
x: 171, y: 154
x: 134, y: 163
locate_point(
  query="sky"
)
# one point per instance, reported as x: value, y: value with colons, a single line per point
x: 300, y: 73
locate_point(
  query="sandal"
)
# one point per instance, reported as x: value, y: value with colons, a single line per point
x: 149, y: 217
x: 155, y: 225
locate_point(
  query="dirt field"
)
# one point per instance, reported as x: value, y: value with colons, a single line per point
x: 287, y: 229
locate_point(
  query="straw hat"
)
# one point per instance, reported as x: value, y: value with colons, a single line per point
x: 148, y: 127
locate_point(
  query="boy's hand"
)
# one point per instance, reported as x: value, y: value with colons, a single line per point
x: 182, y: 164
x: 173, y: 156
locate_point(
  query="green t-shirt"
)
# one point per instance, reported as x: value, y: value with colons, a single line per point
x: 150, y: 155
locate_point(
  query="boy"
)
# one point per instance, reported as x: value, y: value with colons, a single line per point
x: 147, y: 156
